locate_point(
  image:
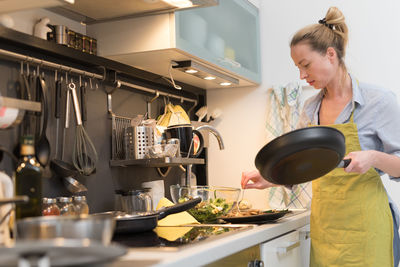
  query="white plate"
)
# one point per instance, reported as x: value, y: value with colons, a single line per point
x: 61, y: 252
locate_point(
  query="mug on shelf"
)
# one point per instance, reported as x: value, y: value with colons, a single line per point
x: 185, y: 134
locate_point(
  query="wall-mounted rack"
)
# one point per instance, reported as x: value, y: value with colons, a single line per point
x: 45, y: 63
x: 60, y: 67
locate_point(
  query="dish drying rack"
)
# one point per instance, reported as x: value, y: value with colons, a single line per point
x: 128, y: 144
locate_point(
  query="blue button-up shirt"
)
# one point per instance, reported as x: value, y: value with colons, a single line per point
x: 377, y: 115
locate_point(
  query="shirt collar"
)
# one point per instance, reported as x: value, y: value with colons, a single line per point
x: 357, y: 96
x: 357, y: 99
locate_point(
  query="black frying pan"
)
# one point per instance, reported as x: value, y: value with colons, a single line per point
x: 135, y: 223
x: 267, y: 216
x: 302, y: 155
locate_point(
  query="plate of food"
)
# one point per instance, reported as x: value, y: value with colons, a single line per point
x: 254, y: 216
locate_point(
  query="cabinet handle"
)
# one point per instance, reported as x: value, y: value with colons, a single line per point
x: 288, y: 248
x: 255, y: 263
x: 305, y: 234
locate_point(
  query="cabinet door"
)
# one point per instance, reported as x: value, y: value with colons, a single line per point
x: 282, y: 251
x: 305, y: 243
x: 226, y: 35
x: 247, y: 257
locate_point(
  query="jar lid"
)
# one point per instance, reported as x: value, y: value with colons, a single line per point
x: 64, y: 199
x: 79, y: 198
x: 49, y: 200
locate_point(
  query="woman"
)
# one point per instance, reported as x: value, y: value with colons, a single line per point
x: 352, y: 222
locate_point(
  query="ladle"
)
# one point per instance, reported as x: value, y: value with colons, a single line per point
x: 42, y: 146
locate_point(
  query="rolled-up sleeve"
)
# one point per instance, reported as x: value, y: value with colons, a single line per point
x: 387, y: 125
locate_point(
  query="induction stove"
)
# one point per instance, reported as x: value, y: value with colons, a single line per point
x: 178, y: 236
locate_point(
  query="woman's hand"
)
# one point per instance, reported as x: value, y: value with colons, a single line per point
x: 361, y: 161
x: 257, y: 180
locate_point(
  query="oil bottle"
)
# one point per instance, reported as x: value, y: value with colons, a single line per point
x: 28, y: 180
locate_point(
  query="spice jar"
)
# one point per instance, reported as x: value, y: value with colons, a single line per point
x: 78, y: 41
x: 80, y: 204
x: 71, y: 38
x: 93, y: 46
x: 50, y: 207
x: 86, y: 44
x: 66, y: 206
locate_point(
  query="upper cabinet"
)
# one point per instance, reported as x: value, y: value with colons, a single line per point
x: 7, y: 6
x: 212, y: 47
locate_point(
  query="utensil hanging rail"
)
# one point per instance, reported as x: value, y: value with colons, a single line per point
x: 50, y: 64
x: 45, y: 63
x: 153, y: 91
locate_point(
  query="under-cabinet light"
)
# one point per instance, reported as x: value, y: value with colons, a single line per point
x: 204, y: 72
x: 225, y: 84
x: 190, y: 71
x: 179, y: 3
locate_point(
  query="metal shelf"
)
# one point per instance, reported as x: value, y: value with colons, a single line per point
x: 160, y: 162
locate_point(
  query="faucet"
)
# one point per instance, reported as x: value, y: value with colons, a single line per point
x: 214, y: 132
x: 220, y: 143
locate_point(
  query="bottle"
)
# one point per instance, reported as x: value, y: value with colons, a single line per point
x: 50, y: 207
x: 28, y: 180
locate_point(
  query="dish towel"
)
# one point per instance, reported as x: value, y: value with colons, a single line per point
x: 284, y: 106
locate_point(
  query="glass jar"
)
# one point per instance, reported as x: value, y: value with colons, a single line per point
x: 78, y: 41
x: 93, y: 46
x: 80, y: 204
x: 71, y: 38
x: 50, y: 207
x: 86, y: 44
x: 66, y: 206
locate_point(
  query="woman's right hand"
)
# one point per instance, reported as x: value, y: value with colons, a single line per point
x: 257, y: 180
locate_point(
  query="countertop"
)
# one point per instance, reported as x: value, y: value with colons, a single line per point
x: 212, y: 249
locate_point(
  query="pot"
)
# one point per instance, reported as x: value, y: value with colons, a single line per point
x: 302, y: 155
x: 99, y: 227
x: 146, y: 221
x: 131, y: 201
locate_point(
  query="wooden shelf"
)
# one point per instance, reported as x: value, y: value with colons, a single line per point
x: 159, y: 162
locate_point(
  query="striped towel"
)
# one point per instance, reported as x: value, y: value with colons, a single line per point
x: 283, y: 113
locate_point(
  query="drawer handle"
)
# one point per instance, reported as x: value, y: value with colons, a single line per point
x: 305, y: 234
x: 288, y: 248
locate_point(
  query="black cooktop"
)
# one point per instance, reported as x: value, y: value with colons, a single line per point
x: 176, y: 236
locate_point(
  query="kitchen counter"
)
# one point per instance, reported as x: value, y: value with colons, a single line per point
x: 212, y: 249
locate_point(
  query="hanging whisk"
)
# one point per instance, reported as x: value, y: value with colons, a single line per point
x: 84, y: 154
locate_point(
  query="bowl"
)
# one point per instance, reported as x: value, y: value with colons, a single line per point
x: 98, y: 228
x: 161, y: 151
x: 216, y: 201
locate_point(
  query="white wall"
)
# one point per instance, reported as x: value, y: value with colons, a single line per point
x: 373, y: 56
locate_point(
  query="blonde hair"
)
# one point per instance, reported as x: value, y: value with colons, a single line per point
x: 331, y: 31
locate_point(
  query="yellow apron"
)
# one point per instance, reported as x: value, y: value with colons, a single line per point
x: 351, y: 222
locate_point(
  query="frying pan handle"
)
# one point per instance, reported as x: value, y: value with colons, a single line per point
x: 344, y: 163
x: 178, y: 207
